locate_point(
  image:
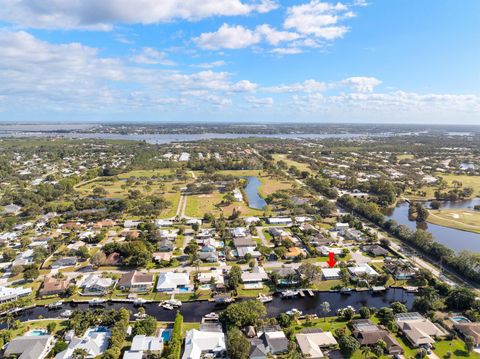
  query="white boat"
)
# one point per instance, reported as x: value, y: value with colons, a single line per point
x: 140, y: 315
x: 66, y: 314
x: 139, y: 301
x: 212, y: 316
x: 174, y: 302
x: 96, y: 301
x: 346, y: 291
x: 340, y: 311
x: 55, y: 305
x: 289, y: 294
x: 294, y: 311
x: 264, y: 298
x: 167, y: 306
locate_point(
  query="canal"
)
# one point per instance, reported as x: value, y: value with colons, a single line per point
x: 194, y: 311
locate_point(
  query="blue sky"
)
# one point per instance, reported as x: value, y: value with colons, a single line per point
x: 240, y: 60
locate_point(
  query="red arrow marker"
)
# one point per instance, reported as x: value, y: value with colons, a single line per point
x: 331, y: 260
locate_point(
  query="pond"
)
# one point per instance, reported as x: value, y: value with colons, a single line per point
x: 194, y: 311
x: 251, y: 190
x: 452, y: 238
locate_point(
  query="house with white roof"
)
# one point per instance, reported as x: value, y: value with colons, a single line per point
x: 280, y: 220
x: 331, y: 273
x: 199, y: 344
x: 95, y: 342
x: 8, y: 294
x: 96, y: 285
x: 206, y: 277
x: 171, y: 281
x: 313, y: 343
x: 143, y: 346
x: 361, y: 270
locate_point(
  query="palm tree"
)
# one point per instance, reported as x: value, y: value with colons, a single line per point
x: 366, y: 351
x: 79, y: 353
x: 325, y: 308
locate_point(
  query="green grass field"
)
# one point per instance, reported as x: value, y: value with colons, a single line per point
x: 458, y: 219
x: 301, y: 166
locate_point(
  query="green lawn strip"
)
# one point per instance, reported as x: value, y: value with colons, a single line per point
x: 455, y: 346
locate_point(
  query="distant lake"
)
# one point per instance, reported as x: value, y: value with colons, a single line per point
x: 251, y: 189
x: 168, y: 138
x: 452, y: 238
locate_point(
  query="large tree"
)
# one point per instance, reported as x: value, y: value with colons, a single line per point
x: 238, y: 346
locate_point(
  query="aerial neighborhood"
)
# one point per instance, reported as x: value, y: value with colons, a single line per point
x: 259, y: 248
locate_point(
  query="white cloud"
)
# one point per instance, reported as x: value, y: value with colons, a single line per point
x: 273, y: 36
x: 306, y: 86
x: 319, y: 19
x: 102, y: 15
x: 211, y: 65
x: 362, y: 84
x: 287, y: 50
x: 228, y: 37
x: 260, y: 102
x: 150, y: 56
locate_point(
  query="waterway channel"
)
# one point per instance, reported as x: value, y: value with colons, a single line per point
x: 194, y: 311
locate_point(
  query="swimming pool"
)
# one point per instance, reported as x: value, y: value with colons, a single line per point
x: 100, y: 330
x: 36, y: 332
x: 166, y: 334
x: 460, y: 319
x: 183, y: 289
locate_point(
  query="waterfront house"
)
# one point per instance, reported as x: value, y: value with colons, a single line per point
x: 255, y: 275
x: 96, y: 285
x: 30, y: 347
x: 171, y: 282
x: 204, y: 344
x: 361, y: 270
x: 8, y: 294
x: 143, y: 346
x: 94, y: 342
x: 53, y: 286
x: 274, y: 339
x: 417, y: 329
x: 136, y: 282
x: 369, y: 334
x: 286, y: 276
x: 313, y: 342
x: 331, y: 273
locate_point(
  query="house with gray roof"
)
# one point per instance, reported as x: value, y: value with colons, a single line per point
x: 30, y: 347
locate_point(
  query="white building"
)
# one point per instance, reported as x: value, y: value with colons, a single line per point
x: 141, y: 345
x: 95, y: 342
x: 199, y: 343
x: 362, y: 269
x: 8, y: 294
x: 171, y: 281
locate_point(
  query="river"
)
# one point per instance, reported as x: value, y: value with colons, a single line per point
x: 194, y: 311
x: 452, y: 238
x: 251, y: 190
x: 168, y: 138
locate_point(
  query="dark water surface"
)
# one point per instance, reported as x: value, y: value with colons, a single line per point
x: 194, y: 311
